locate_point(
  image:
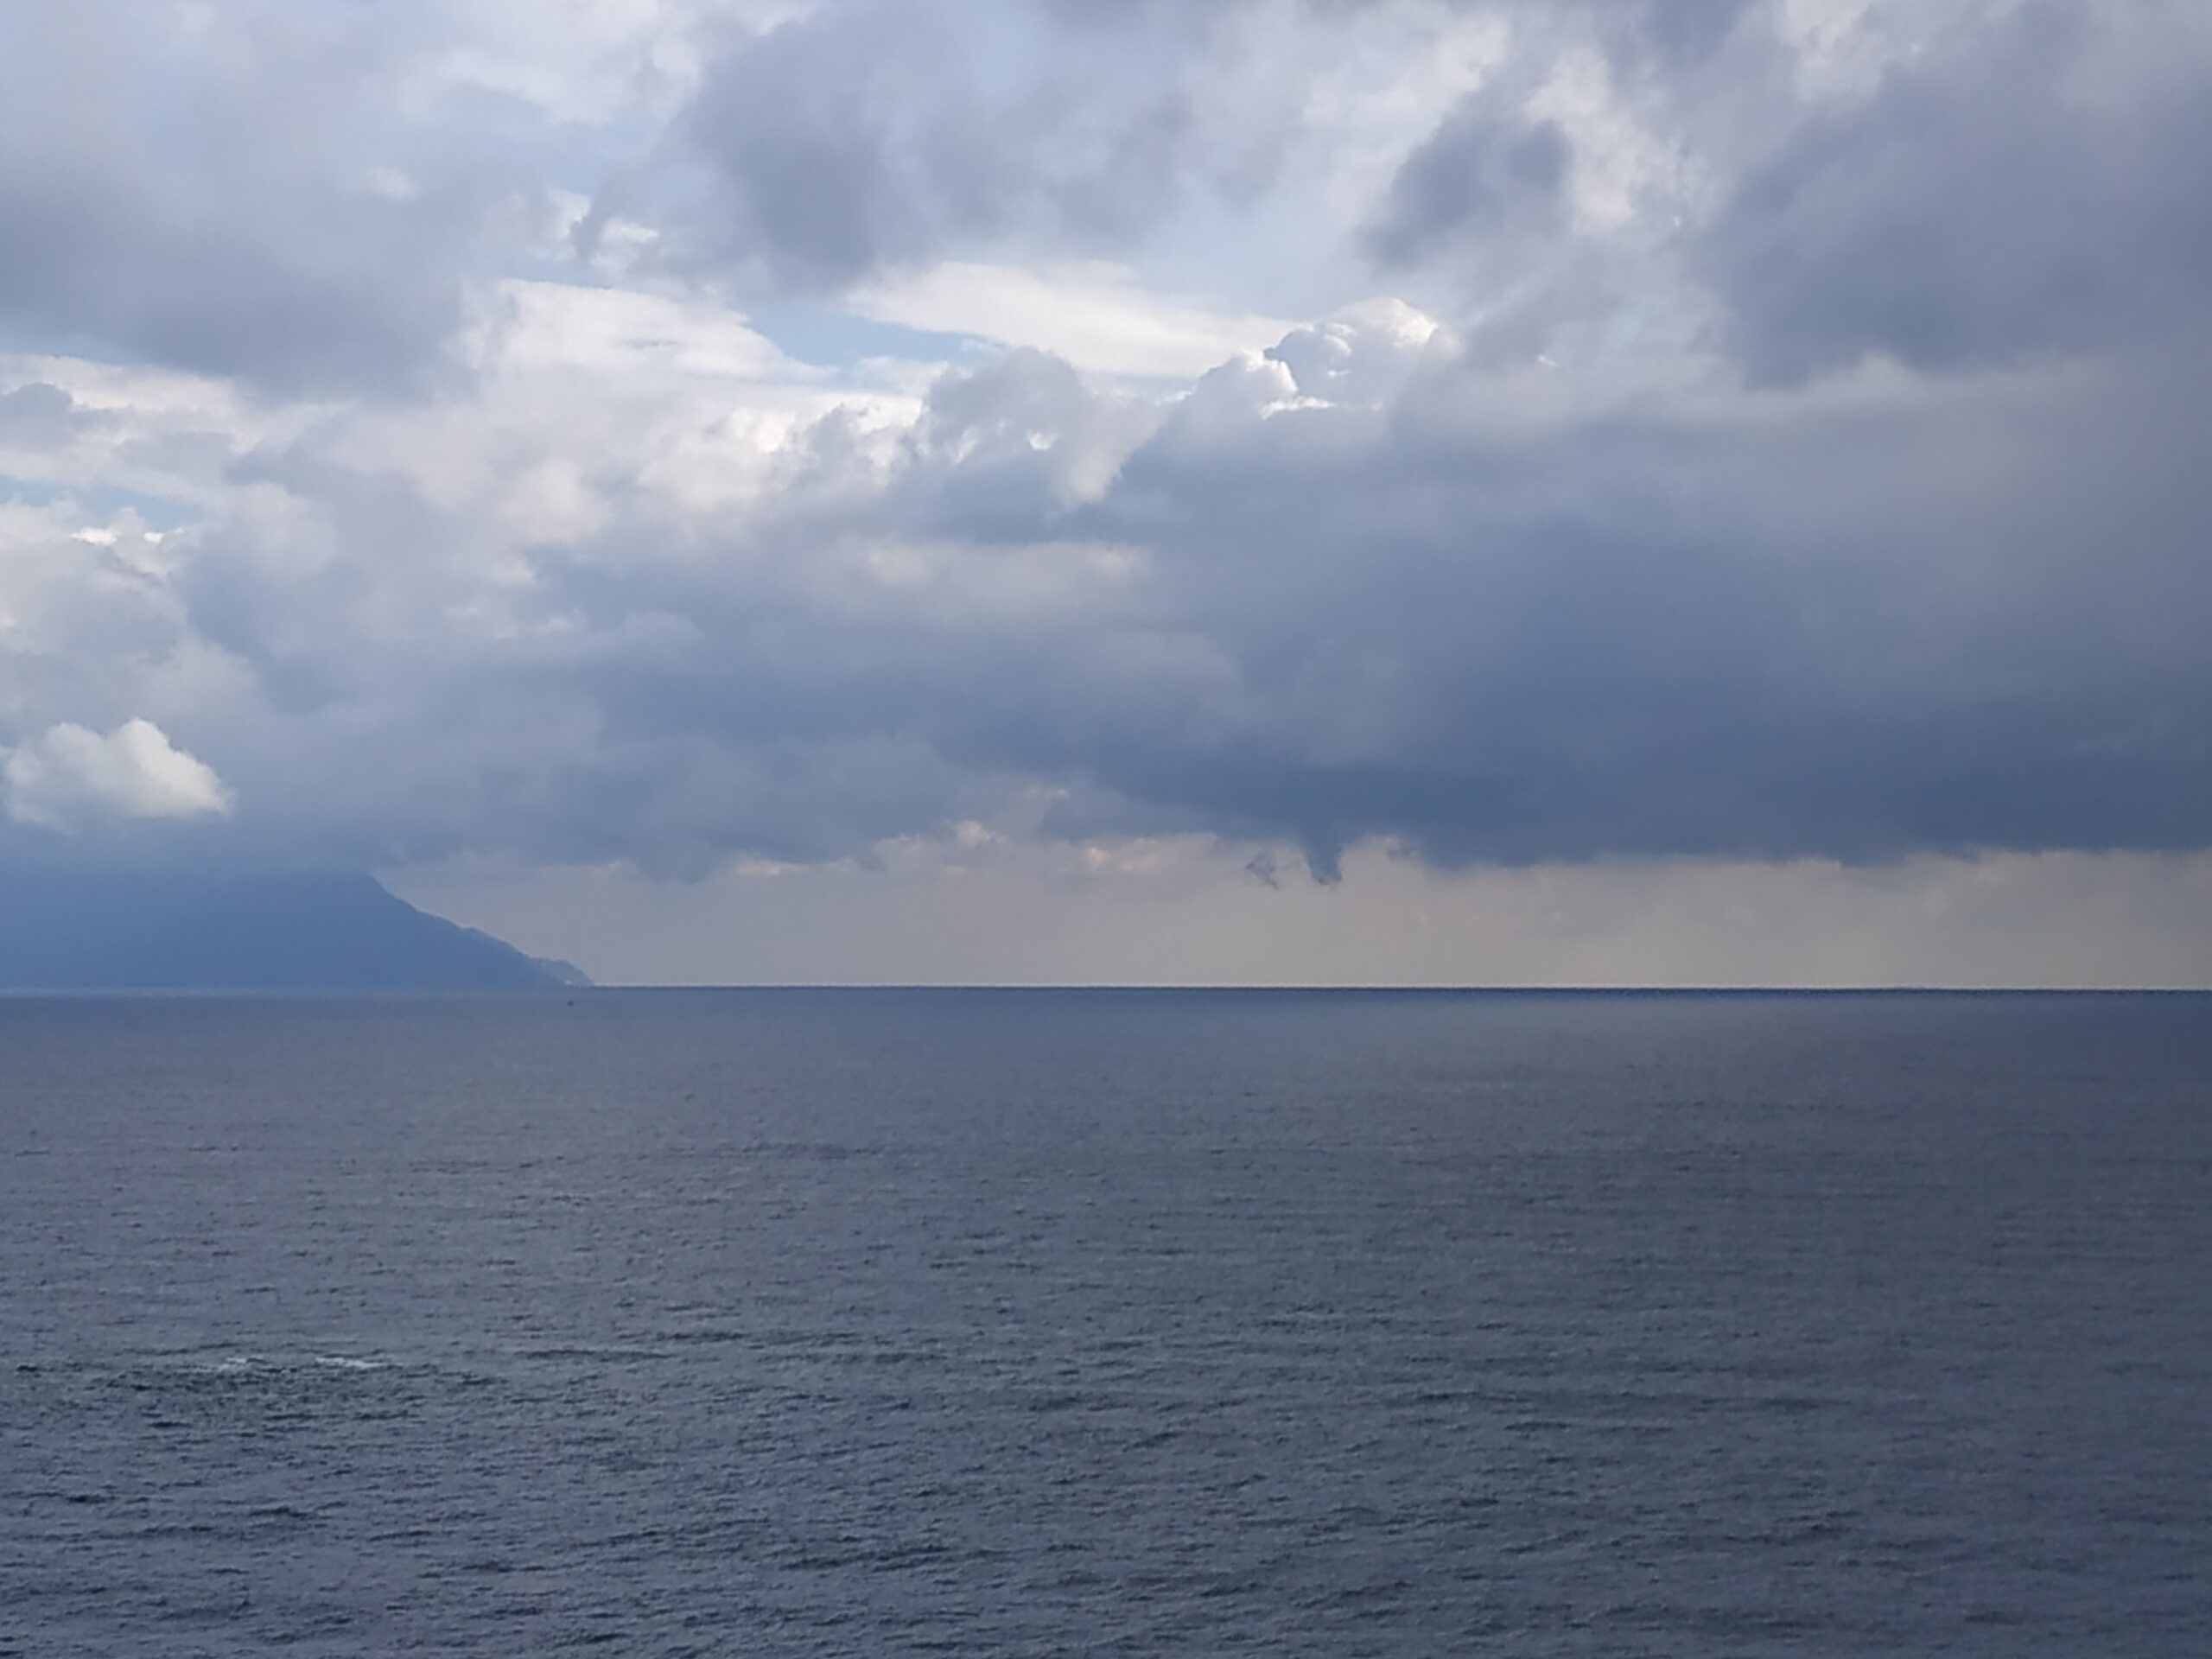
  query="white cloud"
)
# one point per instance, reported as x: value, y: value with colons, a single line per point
x: 1364, y: 354
x: 1098, y: 317
x: 73, y: 776
x: 516, y: 501
x: 618, y: 331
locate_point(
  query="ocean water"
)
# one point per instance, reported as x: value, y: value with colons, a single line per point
x: 1173, y: 1324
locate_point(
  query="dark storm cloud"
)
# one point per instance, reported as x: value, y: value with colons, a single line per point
x: 1811, y: 636
x: 2016, y: 185
x: 1482, y: 173
x: 867, y: 135
x: 1861, y: 627
x: 1815, y: 634
x: 837, y: 149
x: 2017, y: 194
x: 85, y: 264
x: 1909, y: 555
x: 1669, y: 33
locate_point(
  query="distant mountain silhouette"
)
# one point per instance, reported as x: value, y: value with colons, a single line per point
x: 80, y: 930
x: 563, y: 971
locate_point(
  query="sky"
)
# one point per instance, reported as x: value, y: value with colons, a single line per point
x: 1595, y: 491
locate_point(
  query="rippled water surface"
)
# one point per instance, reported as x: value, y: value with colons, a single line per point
x: 1025, y: 1324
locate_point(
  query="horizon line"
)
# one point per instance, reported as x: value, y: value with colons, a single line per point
x: 535, y: 993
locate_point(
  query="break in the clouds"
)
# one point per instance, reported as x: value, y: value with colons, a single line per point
x: 690, y: 437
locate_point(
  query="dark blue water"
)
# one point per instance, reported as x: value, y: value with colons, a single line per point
x: 999, y: 1323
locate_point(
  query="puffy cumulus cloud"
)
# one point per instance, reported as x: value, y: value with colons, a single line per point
x: 1364, y: 354
x: 72, y: 776
x: 1358, y: 589
x: 1488, y: 618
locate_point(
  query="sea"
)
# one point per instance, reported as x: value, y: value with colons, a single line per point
x: 1107, y: 1323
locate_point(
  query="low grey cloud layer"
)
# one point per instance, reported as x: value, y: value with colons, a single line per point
x: 468, y: 438
x: 222, y: 188
x: 2033, y: 194
x: 1739, y: 628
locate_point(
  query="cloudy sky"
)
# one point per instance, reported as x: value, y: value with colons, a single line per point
x: 1371, y: 491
